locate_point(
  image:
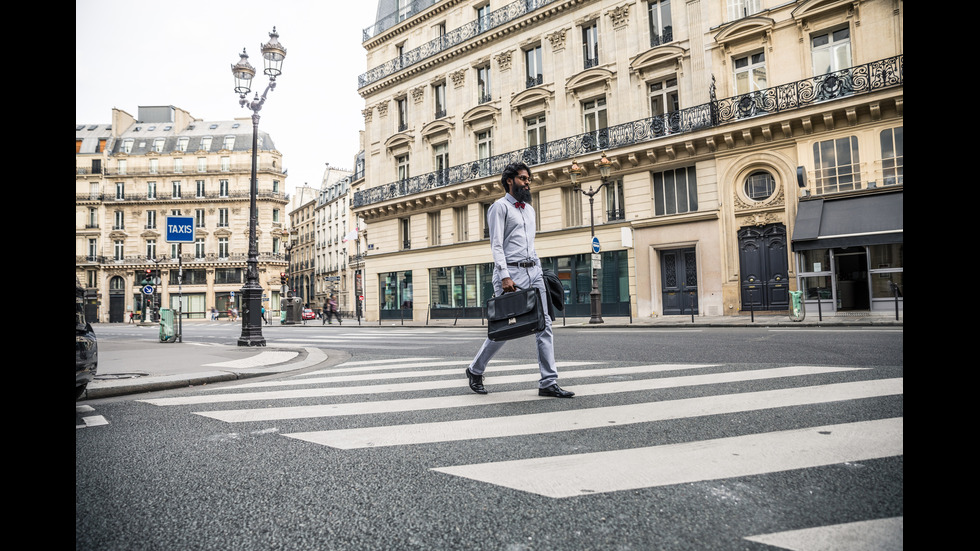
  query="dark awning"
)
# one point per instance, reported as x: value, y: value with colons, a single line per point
x: 853, y: 221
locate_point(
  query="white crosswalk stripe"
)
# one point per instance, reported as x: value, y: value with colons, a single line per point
x: 583, y: 473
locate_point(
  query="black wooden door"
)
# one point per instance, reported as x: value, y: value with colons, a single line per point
x: 679, y: 282
x: 764, y: 267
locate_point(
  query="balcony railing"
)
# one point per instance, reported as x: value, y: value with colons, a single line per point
x: 860, y: 79
x: 188, y: 260
x: 494, y: 19
x: 191, y: 172
x: 141, y: 197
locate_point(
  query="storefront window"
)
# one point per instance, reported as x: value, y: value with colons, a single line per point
x: 817, y: 260
x: 816, y: 287
x: 396, y: 291
x: 886, y: 268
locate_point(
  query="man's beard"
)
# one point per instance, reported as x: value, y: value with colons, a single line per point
x: 521, y: 193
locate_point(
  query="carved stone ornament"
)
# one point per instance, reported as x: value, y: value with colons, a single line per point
x: 557, y: 39
x: 418, y: 94
x: 383, y: 108
x: 458, y: 77
x: 367, y: 113
x: 504, y: 60
x: 620, y: 16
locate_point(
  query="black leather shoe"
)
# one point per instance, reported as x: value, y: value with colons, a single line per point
x: 476, y: 382
x: 555, y: 391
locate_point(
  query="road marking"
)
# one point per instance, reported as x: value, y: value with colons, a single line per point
x: 261, y: 359
x: 558, y: 421
x: 611, y: 471
x: 400, y: 374
x: 345, y: 367
x: 92, y: 421
x: 385, y: 388
x: 469, y: 399
x: 867, y: 535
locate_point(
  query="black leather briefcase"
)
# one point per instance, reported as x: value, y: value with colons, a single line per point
x: 515, y: 315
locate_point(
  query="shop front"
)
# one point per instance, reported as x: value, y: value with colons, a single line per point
x: 850, y: 253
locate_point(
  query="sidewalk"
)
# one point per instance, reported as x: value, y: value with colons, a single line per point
x: 136, y: 367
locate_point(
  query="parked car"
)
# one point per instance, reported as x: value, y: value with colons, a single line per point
x: 86, y: 346
x: 308, y: 314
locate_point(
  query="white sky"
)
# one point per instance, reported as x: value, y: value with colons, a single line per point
x: 180, y: 53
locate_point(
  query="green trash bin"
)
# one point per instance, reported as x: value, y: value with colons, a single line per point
x: 797, y: 309
x: 168, y: 330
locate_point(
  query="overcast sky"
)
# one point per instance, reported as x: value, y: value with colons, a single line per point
x: 180, y: 53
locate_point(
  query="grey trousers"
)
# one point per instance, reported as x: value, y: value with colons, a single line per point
x: 524, y: 278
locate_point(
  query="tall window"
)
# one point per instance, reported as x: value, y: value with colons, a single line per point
x: 675, y: 191
x: 461, y: 223
x: 738, y: 9
x: 120, y: 190
x: 199, y: 247
x: 439, y: 92
x: 483, y: 18
x: 225, y: 164
x: 483, y: 84
x: 536, y: 130
x: 838, y: 167
x: 151, y: 248
x: 175, y: 189
x: 594, y: 120
x: 571, y: 201
x: 440, y: 161
x: 93, y: 248
x: 151, y: 190
x: 405, y: 233
x: 750, y: 73
x: 223, y: 221
x: 615, y: 201
x: 199, y: 187
x: 151, y: 219
x: 533, y: 67
x: 402, y: 104
x: 892, y: 156
x: 199, y: 218
x: 831, y: 51
x: 223, y: 188
x: 118, y: 249
x: 93, y: 218
x: 484, y: 144
x: 119, y: 222
x: 590, y: 44
x: 179, y: 164
x: 154, y: 166
x: 401, y: 162
x: 664, y: 101
x: 223, y: 247
x: 202, y: 164
x: 435, y: 228
x: 121, y: 166
x: 661, y: 29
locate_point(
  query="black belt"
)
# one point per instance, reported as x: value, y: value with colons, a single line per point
x: 526, y: 264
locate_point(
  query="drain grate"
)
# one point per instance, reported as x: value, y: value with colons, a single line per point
x: 111, y: 376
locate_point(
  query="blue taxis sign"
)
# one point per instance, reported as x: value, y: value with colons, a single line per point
x: 180, y: 229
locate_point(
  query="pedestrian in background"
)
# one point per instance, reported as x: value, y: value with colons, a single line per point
x: 332, y: 311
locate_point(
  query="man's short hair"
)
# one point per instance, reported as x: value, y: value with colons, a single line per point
x: 511, y: 171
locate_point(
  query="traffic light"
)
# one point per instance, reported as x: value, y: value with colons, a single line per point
x: 282, y: 278
x: 147, y: 276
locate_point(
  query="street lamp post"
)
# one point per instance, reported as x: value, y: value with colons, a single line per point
x: 576, y: 172
x: 273, y: 53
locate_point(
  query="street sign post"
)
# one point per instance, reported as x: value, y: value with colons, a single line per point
x: 180, y: 230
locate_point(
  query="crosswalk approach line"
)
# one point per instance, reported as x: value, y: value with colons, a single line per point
x: 469, y: 399
x: 559, y: 421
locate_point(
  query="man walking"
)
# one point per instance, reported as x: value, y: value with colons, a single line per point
x: 516, y: 264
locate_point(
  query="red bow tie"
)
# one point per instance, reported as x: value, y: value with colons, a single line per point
x: 519, y: 205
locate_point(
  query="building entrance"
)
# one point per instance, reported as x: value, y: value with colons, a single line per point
x: 763, y: 267
x: 679, y: 282
x: 852, y: 279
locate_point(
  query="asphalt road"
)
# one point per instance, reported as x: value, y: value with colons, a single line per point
x: 711, y: 438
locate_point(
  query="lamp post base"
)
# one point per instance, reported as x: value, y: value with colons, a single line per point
x: 596, y: 300
x: 251, y: 317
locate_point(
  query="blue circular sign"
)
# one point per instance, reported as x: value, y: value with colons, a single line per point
x: 147, y: 289
x: 595, y: 244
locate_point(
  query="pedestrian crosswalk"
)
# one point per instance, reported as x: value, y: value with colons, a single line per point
x: 366, y: 390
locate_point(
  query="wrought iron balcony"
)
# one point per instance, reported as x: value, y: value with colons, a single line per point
x: 494, y: 19
x: 860, y: 79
